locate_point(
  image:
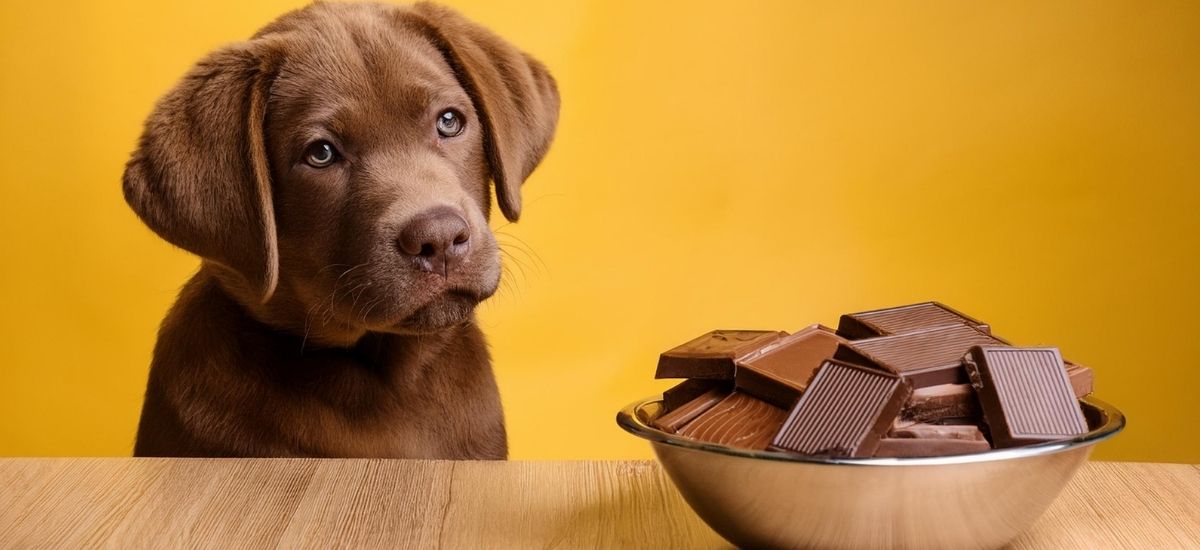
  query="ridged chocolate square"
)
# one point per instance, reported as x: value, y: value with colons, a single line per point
x: 737, y: 421
x: 902, y: 319
x: 1025, y: 394
x: 844, y: 411
x: 925, y: 358
x: 778, y: 373
x: 712, y: 355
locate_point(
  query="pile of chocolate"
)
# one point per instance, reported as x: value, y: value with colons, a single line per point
x: 909, y: 381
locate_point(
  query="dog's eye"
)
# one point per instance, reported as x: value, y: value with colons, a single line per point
x: 449, y: 123
x: 320, y: 154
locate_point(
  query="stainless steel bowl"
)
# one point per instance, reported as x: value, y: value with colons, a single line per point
x: 763, y: 499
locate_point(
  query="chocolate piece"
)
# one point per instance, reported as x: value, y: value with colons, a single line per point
x: 891, y: 447
x: 912, y: 439
x: 737, y: 421
x: 899, y: 320
x: 778, y: 373
x: 934, y: 403
x: 1082, y: 379
x: 1025, y: 394
x: 685, y: 391
x: 672, y: 421
x: 976, y: 421
x: 844, y: 411
x: 921, y: 430
x: 925, y: 358
x: 712, y: 355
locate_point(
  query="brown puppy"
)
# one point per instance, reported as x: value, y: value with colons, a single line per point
x: 333, y: 174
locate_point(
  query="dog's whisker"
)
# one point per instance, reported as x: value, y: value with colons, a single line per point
x: 533, y: 259
x: 518, y: 276
x: 326, y: 305
x: 358, y: 292
x: 523, y: 263
x: 522, y: 245
x: 526, y: 260
x: 368, y: 311
x: 509, y: 259
x: 505, y: 273
x: 506, y: 288
x: 327, y: 310
x: 347, y: 272
x: 370, y: 304
x: 330, y: 266
x: 315, y: 308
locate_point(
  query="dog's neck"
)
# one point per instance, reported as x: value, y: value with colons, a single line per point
x: 286, y: 313
x: 374, y: 362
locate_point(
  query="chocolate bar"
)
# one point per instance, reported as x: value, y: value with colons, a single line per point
x: 672, y: 421
x: 685, y: 391
x: 934, y: 403
x: 778, y: 373
x: 843, y: 412
x: 902, y: 319
x: 1025, y: 394
x: 738, y: 421
x: 712, y: 355
x: 925, y: 358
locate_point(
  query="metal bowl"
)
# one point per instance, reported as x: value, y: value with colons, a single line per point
x: 764, y: 499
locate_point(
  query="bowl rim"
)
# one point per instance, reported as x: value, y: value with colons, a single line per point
x: 1114, y: 422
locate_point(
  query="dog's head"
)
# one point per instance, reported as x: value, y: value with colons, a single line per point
x: 339, y: 163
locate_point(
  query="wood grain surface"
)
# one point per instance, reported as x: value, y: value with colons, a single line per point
x: 299, y: 503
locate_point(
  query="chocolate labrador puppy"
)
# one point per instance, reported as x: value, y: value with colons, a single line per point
x: 333, y: 174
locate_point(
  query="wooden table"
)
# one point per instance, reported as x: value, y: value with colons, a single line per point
x: 290, y: 503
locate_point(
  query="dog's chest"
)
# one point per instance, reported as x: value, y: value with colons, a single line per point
x: 383, y: 406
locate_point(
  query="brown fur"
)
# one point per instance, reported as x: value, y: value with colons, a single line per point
x: 305, y: 332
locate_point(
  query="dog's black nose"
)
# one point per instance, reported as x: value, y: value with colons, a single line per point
x: 436, y: 240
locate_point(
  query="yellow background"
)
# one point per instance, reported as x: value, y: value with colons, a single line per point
x: 718, y: 164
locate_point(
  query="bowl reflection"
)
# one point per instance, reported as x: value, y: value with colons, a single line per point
x: 764, y: 499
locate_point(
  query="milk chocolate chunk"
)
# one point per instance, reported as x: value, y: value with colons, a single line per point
x: 712, y: 355
x: 1025, y: 394
x: 675, y: 419
x: 902, y: 319
x: 737, y: 421
x: 934, y: 403
x: 891, y: 447
x: 960, y: 421
x: 925, y: 358
x: 778, y: 373
x: 921, y: 430
x: 685, y: 391
x: 913, y: 439
x: 843, y: 412
x: 1082, y: 379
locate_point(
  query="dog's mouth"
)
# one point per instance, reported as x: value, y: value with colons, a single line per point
x: 409, y: 302
x: 453, y: 307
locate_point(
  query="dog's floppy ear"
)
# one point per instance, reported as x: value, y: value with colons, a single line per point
x: 516, y: 98
x: 200, y: 178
